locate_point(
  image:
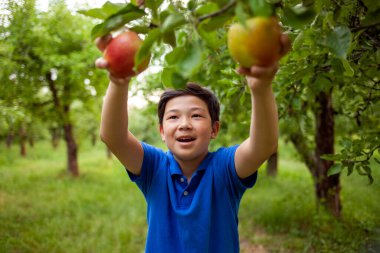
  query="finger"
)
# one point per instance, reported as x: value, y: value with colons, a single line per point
x: 101, y: 63
x: 259, y: 71
x: 262, y: 72
x: 119, y: 81
x: 243, y: 70
x: 102, y: 42
x: 286, y: 44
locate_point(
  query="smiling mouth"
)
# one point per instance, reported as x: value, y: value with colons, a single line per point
x: 185, y: 139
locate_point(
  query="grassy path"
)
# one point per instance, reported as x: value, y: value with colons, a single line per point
x: 42, y: 209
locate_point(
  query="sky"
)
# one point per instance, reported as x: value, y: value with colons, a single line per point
x: 77, y: 4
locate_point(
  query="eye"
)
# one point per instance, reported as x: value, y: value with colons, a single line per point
x: 172, y: 117
x: 197, y: 116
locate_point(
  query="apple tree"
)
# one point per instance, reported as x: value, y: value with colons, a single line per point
x: 327, y: 88
x: 50, y: 70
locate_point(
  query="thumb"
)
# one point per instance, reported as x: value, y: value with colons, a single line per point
x: 102, y: 42
x: 101, y: 63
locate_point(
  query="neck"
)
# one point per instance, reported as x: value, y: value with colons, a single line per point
x: 189, y: 167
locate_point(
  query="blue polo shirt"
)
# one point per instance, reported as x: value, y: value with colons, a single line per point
x: 195, y: 217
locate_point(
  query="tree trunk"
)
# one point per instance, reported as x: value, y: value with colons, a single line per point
x: 327, y: 187
x: 55, y: 137
x: 9, y: 139
x: 272, y: 165
x: 94, y: 138
x: 63, y: 111
x: 23, y: 138
x: 31, y: 141
x: 72, y: 150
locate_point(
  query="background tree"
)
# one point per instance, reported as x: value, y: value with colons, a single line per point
x: 50, y: 67
x: 332, y: 93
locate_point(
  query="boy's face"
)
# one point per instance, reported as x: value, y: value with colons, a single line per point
x: 186, y: 128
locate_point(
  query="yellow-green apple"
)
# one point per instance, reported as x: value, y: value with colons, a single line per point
x: 258, y: 42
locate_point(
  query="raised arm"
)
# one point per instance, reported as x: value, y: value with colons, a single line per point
x: 263, y: 134
x: 114, y: 120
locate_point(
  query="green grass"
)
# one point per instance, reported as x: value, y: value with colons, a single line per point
x: 42, y: 209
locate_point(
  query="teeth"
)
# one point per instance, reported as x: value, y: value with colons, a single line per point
x: 185, y: 139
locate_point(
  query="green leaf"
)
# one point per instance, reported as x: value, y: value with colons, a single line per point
x: 191, y: 5
x: 94, y: 13
x: 172, y: 22
x: 169, y: 38
x: 173, y: 79
x: 372, y: 5
x: 187, y: 59
x: 210, y: 37
x: 231, y: 91
x: 346, y: 143
x: 102, y: 13
x: 321, y: 84
x: 298, y: 41
x: 367, y: 169
x: 261, y: 8
x: 191, y: 59
x: 349, y: 71
x: 153, y: 4
x: 207, y: 8
x: 335, y: 169
x: 241, y: 15
x: 338, y: 41
x: 139, y: 29
x: 359, y: 168
x: 370, y: 178
x: 117, y: 20
x: 172, y: 57
x: 372, y: 18
x: 144, y: 51
x: 332, y: 157
x: 299, y: 16
x: 211, y: 24
x: 350, y: 168
x: 337, y: 66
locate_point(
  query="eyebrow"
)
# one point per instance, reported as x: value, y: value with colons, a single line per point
x: 195, y: 108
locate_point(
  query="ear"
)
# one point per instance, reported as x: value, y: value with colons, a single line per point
x: 215, y: 129
x: 162, y: 133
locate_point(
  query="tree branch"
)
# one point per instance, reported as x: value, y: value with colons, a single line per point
x: 356, y: 29
x: 308, y: 156
x: 219, y: 12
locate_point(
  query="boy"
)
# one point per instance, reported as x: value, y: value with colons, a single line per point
x: 192, y: 195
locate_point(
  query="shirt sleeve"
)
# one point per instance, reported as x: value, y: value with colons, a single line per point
x: 236, y: 185
x: 153, y: 157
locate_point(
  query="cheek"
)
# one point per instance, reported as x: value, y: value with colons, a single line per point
x: 166, y: 131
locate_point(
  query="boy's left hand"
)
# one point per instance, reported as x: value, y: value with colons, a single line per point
x: 261, y: 77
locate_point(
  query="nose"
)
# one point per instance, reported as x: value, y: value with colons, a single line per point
x: 185, y: 124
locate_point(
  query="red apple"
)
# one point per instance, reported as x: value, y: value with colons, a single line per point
x: 120, y: 55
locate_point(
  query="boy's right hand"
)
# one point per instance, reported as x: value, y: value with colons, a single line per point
x: 101, y: 63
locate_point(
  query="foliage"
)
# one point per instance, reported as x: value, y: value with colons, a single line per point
x: 339, y: 52
x: 335, y: 49
x: 38, y: 45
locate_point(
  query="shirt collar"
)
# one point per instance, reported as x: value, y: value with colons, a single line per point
x: 175, y: 169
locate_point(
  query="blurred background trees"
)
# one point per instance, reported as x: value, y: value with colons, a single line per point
x: 327, y: 87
